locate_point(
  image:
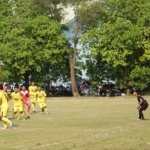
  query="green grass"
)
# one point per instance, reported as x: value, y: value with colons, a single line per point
x: 81, y: 124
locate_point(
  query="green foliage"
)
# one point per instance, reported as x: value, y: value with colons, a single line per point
x: 30, y: 43
x: 49, y: 8
x: 122, y: 41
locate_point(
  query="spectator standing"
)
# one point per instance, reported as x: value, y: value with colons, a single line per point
x: 86, y: 88
x: 99, y: 86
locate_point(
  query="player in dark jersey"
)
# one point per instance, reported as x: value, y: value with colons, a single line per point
x: 143, y: 105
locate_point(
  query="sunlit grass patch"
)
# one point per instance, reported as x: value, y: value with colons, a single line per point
x: 80, y: 124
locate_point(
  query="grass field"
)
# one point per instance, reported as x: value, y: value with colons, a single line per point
x: 81, y: 124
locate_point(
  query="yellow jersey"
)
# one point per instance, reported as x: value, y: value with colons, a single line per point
x: 17, y: 99
x: 4, y: 99
x: 41, y: 96
x: 32, y: 90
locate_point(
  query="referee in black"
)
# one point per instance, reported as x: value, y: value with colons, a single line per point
x: 143, y: 105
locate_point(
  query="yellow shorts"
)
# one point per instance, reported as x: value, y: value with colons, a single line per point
x: 33, y: 99
x: 42, y: 104
x: 4, y: 111
x: 18, y: 108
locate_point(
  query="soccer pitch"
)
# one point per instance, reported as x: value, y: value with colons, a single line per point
x: 97, y: 123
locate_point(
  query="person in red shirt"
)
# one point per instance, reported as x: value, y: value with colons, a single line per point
x: 25, y: 96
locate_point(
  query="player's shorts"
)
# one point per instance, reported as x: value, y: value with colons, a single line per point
x: 4, y: 111
x: 18, y: 108
x: 42, y: 104
x: 143, y: 107
x: 33, y: 99
x: 26, y: 102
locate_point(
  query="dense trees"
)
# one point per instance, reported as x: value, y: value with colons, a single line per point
x: 84, y: 14
x: 30, y: 43
x: 115, y: 35
x: 122, y: 41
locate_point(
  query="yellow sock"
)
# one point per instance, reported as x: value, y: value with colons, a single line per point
x: 25, y: 112
x: 46, y: 110
x: 22, y: 115
x: 5, y: 124
x: 16, y: 116
x: 6, y: 120
x: 33, y: 106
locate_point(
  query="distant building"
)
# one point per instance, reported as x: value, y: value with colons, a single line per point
x: 69, y: 15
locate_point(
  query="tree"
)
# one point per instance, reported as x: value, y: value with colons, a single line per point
x: 84, y: 14
x: 47, y: 6
x: 5, y: 12
x: 122, y: 38
x: 30, y: 42
x: 52, y: 8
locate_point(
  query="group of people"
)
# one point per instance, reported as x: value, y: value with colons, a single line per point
x: 21, y: 102
x: 22, y: 99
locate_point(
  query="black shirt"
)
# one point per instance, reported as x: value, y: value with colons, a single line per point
x: 144, y: 100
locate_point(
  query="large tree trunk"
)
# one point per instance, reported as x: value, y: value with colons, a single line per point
x: 73, y: 80
x: 72, y: 70
x: 72, y: 65
x: 26, y: 78
x: 126, y: 78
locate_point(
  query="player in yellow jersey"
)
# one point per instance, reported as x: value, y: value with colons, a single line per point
x: 4, y: 108
x: 32, y: 95
x: 41, y: 97
x: 18, y: 104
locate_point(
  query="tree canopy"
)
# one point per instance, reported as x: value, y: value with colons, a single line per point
x: 30, y: 43
x: 121, y: 39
